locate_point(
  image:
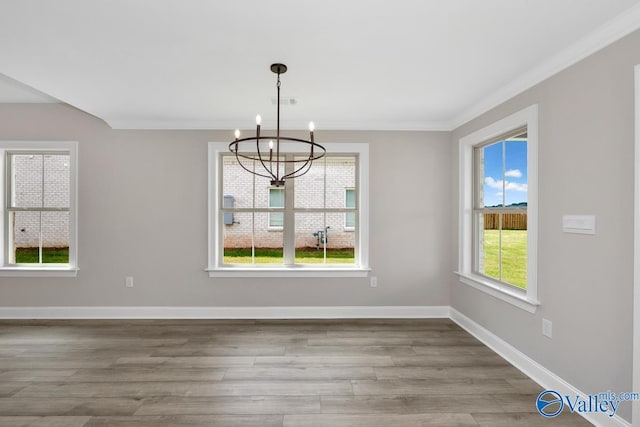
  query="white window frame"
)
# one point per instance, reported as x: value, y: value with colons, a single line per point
x: 40, y: 270
x: 524, y: 299
x: 361, y: 265
x: 269, y: 226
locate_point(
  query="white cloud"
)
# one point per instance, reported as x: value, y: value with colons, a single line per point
x: 513, y: 173
x: 493, y: 183
x: 513, y: 186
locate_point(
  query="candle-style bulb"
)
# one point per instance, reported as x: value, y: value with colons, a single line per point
x: 270, y: 145
x: 311, y: 127
x: 237, y: 133
x: 258, y: 119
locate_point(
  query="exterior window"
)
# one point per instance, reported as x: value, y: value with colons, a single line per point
x: 276, y: 200
x: 39, y: 209
x: 350, y: 203
x: 311, y: 223
x: 498, y: 209
x: 500, y: 212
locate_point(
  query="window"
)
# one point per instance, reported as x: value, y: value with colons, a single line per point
x: 500, y: 211
x: 498, y: 202
x: 276, y: 200
x: 39, y: 214
x: 350, y: 203
x: 298, y: 229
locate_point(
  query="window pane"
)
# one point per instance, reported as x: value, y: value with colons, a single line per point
x: 340, y: 243
x: 55, y: 237
x: 514, y: 249
x: 341, y: 174
x: 268, y: 243
x: 309, y: 188
x: 26, y: 181
x: 237, y: 239
x: 56, y: 181
x: 491, y: 174
x: 237, y: 183
x: 516, y: 172
x: 25, y: 232
x: 311, y: 237
x: 489, y: 244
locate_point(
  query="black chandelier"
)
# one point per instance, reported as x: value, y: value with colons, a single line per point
x: 271, y: 165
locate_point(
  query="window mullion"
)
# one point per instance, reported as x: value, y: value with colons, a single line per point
x: 42, y: 206
x: 289, y: 226
x: 253, y: 217
x: 324, y: 215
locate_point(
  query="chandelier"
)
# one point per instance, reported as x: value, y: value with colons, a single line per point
x: 265, y: 154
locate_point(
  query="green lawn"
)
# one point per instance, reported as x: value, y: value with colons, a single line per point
x: 49, y: 255
x: 303, y: 256
x: 514, y: 256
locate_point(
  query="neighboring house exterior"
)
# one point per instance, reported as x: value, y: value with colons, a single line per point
x: 335, y: 174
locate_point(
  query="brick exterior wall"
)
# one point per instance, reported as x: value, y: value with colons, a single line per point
x: 309, y: 193
x: 28, y: 192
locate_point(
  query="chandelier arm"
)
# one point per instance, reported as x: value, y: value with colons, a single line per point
x: 249, y: 170
x: 268, y: 169
x: 293, y: 174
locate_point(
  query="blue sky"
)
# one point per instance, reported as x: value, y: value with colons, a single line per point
x: 513, y: 172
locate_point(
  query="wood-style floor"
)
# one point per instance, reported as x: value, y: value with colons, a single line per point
x: 259, y: 373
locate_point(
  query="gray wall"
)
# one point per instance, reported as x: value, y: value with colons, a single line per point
x: 585, y: 283
x: 143, y: 212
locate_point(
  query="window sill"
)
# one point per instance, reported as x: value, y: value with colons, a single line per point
x: 38, y: 272
x: 267, y: 272
x: 501, y: 292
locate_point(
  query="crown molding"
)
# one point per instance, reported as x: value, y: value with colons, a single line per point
x: 610, y: 32
x: 267, y: 124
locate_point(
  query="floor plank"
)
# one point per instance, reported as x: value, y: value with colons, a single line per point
x: 263, y: 405
x: 188, y: 420
x: 415, y: 420
x: 53, y: 421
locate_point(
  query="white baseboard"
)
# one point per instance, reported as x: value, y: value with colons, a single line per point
x: 531, y: 368
x: 337, y: 312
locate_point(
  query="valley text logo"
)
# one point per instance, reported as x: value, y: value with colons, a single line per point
x: 550, y: 403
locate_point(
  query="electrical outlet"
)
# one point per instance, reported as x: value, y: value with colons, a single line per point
x: 128, y: 281
x: 374, y: 282
x: 547, y: 328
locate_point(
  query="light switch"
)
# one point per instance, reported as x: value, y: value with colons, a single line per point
x: 581, y: 224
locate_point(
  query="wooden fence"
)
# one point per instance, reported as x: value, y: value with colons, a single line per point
x: 510, y: 221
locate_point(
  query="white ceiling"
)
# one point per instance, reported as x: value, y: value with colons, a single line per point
x: 357, y: 64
